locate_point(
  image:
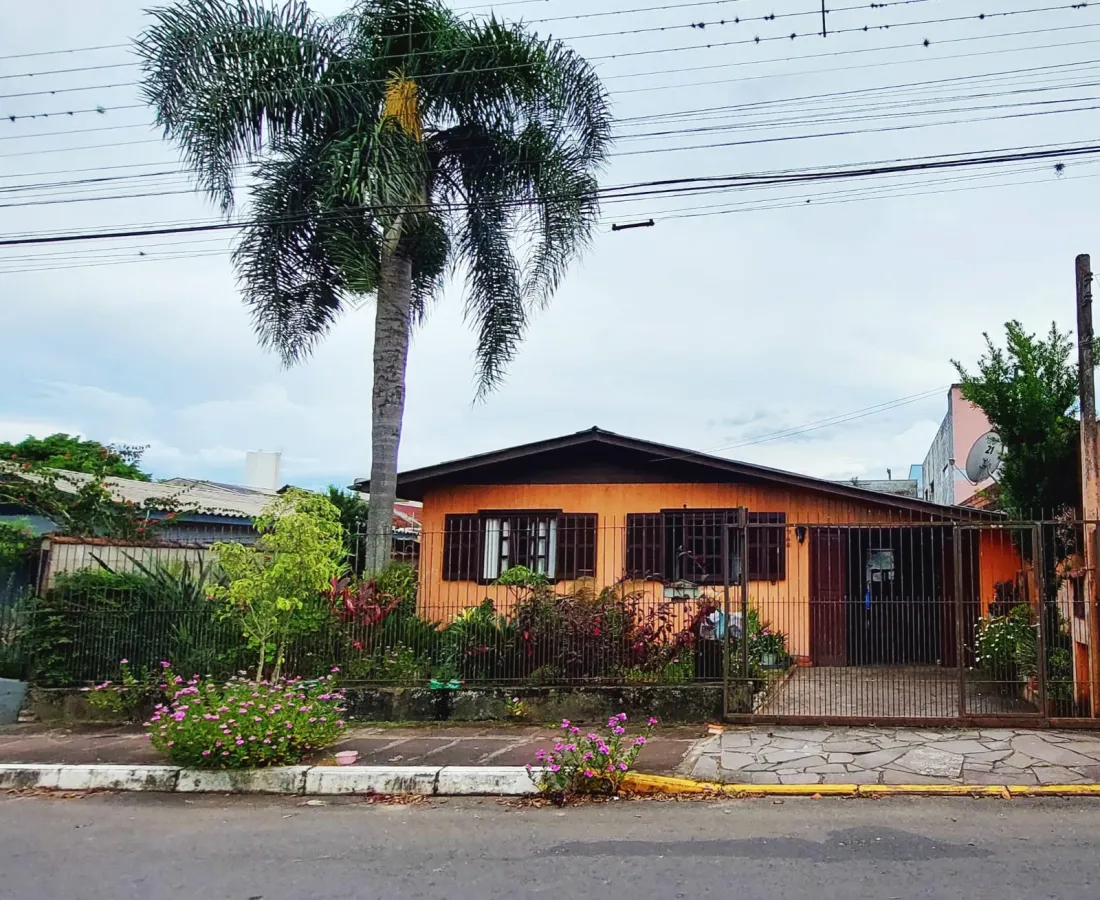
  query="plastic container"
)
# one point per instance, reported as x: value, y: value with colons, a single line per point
x: 12, y: 693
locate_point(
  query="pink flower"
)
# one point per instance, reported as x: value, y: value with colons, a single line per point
x: 205, y: 752
x: 564, y: 723
x: 335, y: 670
x: 652, y: 721
x: 164, y: 665
x: 622, y: 716
x: 592, y: 736
x: 618, y: 729
x: 588, y: 773
x: 588, y: 755
x: 623, y: 766
x: 639, y: 741
x: 124, y: 662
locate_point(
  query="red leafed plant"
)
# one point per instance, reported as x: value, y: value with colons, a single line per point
x: 360, y: 602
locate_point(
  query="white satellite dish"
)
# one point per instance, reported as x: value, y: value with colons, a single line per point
x: 984, y: 458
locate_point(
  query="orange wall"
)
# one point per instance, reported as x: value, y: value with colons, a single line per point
x: 998, y: 561
x: 785, y: 604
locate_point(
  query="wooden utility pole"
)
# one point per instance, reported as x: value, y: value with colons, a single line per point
x: 1090, y: 476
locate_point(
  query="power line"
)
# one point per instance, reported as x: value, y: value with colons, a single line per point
x: 626, y: 32
x: 663, y: 187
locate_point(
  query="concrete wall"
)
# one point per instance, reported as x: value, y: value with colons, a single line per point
x: 944, y: 481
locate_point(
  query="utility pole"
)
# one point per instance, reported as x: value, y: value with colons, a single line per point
x: 1090, y: 477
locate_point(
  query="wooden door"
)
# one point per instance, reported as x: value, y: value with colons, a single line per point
x: 828, y: 597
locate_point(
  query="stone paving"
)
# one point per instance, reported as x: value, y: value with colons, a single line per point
x: 895, y: 756
x: 912, y: 692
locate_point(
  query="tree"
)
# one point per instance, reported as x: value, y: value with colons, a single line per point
x: 1029, y: 392
x: 272, y: 584
x: 72, y: 454
x: 388, y: 146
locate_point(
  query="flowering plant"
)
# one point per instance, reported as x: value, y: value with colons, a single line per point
x: 589, y: 763
x: 126, y: 700
x: 516, y: 707
x: 244, y: 724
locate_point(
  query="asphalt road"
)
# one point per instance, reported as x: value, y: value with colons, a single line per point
x: 158, y: 847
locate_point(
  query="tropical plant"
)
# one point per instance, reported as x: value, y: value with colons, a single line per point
x: 480, y: 644
x: 386, y: 146
x: 274, y: 587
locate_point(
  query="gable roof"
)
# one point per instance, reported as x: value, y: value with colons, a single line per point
x: 661, y: 462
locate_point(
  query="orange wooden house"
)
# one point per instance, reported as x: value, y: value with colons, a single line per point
x: 850, y: 576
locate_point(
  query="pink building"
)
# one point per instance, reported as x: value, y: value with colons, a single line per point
x: 943, y: 478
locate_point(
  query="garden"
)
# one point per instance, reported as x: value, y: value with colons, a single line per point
x: 291, y: 606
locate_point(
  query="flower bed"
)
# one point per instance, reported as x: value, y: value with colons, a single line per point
x: 241, y: 724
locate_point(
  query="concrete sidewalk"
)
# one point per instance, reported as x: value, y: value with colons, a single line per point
x: 429, y: 745
x: 756, y: 756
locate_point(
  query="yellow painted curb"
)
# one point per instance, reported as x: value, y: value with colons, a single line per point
x: 662, y: 784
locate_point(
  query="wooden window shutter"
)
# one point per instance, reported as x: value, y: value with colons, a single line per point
x: 576, y: 547
x: 645, y: 546
x: 767, y: 550
x: 461, y: 547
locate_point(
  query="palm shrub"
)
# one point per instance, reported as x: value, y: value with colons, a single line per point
x: 385, y: 147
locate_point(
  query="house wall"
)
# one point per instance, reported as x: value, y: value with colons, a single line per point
x: 964, y: 423
x: 785, y: 604
x: 999, y: 561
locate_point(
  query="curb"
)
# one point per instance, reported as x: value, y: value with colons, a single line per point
x: 450, y: 781
x: 661, y: 784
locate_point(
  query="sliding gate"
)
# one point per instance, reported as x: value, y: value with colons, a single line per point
x: 919, y: 623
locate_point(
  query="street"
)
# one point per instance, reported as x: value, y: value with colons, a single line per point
x: 155, y: 847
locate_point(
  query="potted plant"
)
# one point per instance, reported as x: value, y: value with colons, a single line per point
x: 772, y: 647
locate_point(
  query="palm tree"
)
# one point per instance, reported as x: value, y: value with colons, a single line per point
x: 387, y: 147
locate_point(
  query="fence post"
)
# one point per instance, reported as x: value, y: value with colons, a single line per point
x: 728, y: 622
x: 960, y: 650
x: 1041, y: 635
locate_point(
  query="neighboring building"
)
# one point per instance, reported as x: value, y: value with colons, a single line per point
x: 943, y: 478
x: 898, y: 487
x: 849, y: 575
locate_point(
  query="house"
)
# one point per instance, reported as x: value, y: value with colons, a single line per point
x: 849, y: 575
x: 943, y: 473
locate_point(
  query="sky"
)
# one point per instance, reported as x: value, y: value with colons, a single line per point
x: 734, y: 317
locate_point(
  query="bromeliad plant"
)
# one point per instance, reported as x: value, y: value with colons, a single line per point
x: 590, y: 763
x: 242, y: 724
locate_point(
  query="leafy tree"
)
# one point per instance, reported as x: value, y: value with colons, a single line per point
x: 353, y: 517
x: 72, y: 454
x: 273, y: 586
x: 1029, y: 391
x: 386, y: 147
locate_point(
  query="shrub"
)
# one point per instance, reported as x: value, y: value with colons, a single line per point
x: 129, y: 699
x: 241, y: 724
x: 1006, y: 644
x: 479, y: 644
x: 591, y: 763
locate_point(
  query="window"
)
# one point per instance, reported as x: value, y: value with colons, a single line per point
x: 1077, y: 596
x: 686, y: 545
x: 481, y: 546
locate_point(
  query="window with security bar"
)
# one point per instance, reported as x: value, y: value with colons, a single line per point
x: 686, y: 545
x: 482, y: 546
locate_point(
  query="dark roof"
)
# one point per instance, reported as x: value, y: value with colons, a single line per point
x: 654, y: 462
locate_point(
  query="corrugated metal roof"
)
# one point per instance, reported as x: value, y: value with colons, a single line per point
x: 195, y: 496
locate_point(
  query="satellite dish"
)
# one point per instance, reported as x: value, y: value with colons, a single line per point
x: 984, y: 458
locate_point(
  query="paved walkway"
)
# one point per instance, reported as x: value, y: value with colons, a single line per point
x: 742, y: 755
x: 895, y: 756
x: 443, y: 745
x: 930, y: 692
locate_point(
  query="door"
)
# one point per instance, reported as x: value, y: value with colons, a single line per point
x: 828, y: 597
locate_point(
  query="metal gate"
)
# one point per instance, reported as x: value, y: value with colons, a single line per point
x: 902, y: 623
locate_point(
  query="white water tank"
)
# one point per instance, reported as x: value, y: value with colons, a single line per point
x: 261, y: 470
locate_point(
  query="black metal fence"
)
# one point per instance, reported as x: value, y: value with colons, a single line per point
x: 852, y: 621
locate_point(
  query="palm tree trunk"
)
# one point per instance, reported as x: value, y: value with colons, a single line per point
x: 391, y: 352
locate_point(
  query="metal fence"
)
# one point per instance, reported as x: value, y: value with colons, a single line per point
x: 822, y: 621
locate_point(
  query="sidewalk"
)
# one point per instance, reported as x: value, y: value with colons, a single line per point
x: 760, y: 756
x: 429, y: 745
x: 987, y: 756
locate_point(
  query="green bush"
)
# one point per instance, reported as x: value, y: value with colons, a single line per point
x: 1005, y: 645
x: 241, y: 724
x: 92, y: 618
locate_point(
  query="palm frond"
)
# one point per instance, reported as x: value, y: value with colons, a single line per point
x: 225, y: 75
x: 301, y: 254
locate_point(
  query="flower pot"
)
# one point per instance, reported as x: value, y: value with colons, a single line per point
x: 769, y: 660
x: 12, y: 693
x: 346, y: 757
